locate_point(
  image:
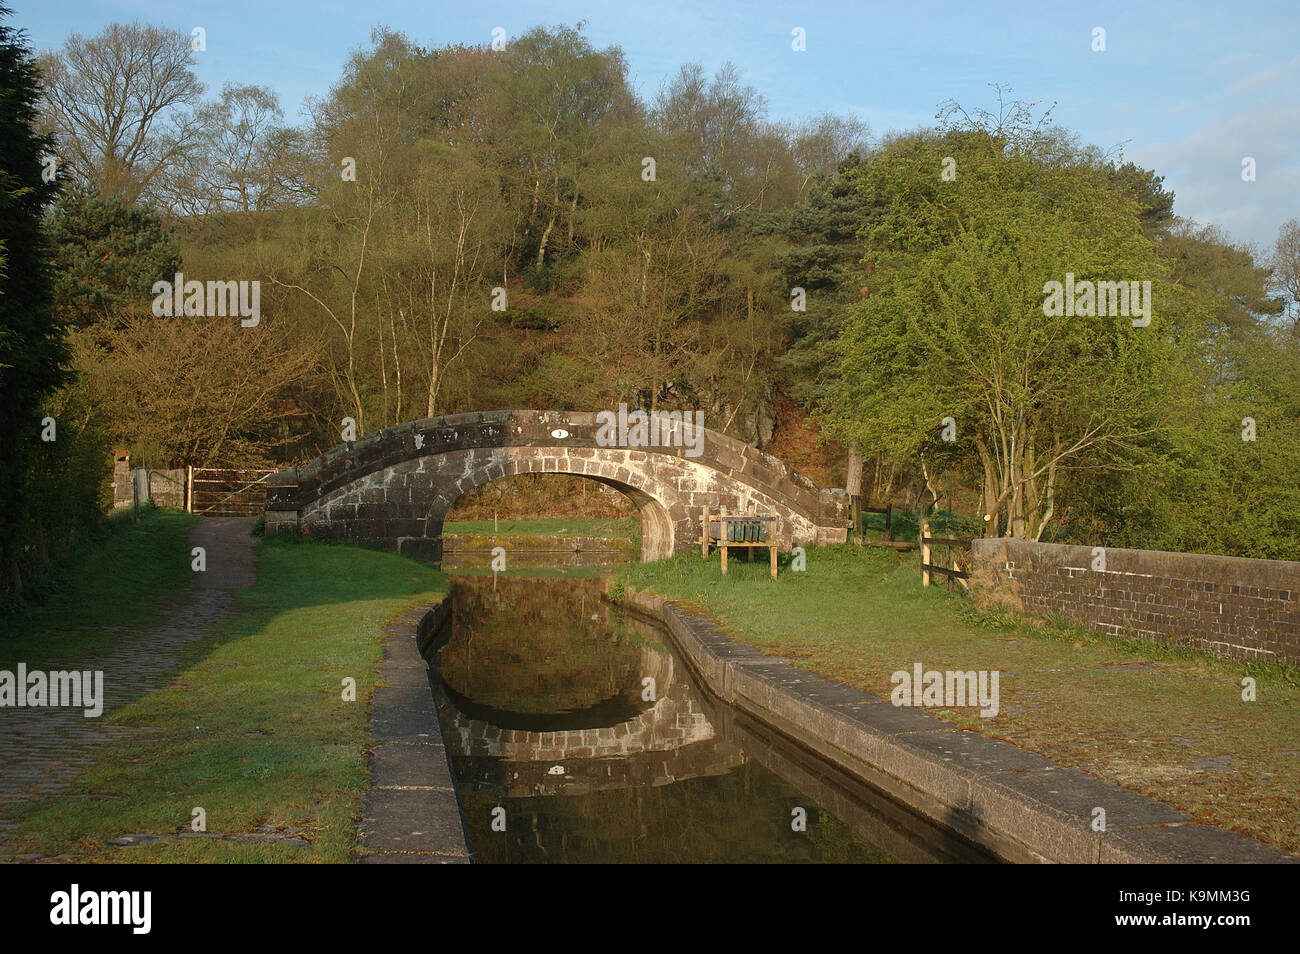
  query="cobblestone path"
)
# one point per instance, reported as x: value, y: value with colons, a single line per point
x: 43, y: 749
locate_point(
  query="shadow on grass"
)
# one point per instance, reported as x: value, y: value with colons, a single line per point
x: 256, y: 729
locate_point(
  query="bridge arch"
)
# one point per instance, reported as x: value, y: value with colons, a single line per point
x: 394, y: 487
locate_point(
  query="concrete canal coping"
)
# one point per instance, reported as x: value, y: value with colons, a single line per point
x: 1014, y: 803
x: 411, y: 813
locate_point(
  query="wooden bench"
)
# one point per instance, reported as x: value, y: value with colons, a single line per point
x: 745, y: 530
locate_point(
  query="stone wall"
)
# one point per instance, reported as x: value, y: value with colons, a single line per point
x: 1231, y: 607
x: 166, y: 487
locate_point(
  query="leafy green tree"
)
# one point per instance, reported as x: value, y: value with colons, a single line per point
x: 1156, y: 205
x: 564, y: 99
x: 823, y: 256
x: 954, y: 328
x: 1223, y: 275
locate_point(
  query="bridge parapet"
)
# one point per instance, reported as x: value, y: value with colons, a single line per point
x: 396, y: 485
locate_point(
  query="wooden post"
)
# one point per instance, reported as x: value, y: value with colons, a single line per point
x: 722, y: 539
x: 889, y: 529
x: 189, y: 488
x: 773, y: 549
x: 853, y: 487
x: 925, y: 553
x: 704, y: 533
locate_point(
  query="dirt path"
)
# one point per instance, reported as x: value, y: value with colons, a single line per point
x: 43, y: 749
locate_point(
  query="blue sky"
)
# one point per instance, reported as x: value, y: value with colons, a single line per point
x: 1188, y: 88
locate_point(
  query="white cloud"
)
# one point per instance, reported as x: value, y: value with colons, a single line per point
x: 1255, y: 115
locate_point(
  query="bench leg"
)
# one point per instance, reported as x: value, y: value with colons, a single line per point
x: 773, y: 562
x: 723, y: 547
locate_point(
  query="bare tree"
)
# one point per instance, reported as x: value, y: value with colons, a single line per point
x: 243, y: 157
x: 820, y: 144
x: 1286, y: 268
x: 117, y: 104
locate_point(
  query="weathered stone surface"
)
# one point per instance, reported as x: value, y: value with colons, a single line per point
x: 1227, y: 606
x: 385, y: 489
x: 1189, y: 844
x: 410, y: 765
x: 411, y: 811
x: 407, y: 820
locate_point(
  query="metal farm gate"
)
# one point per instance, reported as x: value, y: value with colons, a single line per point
x: 226, y: 492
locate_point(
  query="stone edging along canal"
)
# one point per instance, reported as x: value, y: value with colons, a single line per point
x: 411, y: 813
x: 1015, y: 803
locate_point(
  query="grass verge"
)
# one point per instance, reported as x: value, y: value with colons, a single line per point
x: 254, y: 730
x: 128, y: 572
x: 1165, y: 722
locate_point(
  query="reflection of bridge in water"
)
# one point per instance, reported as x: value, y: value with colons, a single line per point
x: 540, y: 694
x: 673, y: 738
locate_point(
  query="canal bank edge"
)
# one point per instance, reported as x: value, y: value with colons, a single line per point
x: 411, y: 813
x: 1014, y: 803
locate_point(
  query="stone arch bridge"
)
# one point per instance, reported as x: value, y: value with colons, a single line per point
x: 394, y: 487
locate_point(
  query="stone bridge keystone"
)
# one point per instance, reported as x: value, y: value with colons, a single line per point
x: 395, y: 486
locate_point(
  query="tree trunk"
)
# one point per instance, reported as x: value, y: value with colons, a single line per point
x: 541, y: 249
x: 853, y: 479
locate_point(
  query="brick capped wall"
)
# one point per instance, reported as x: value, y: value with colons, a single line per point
x: 1227, y: 606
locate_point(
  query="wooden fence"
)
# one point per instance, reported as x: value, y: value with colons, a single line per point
x: 888, y: 511
x: 859, y: 527
x: 951, y: 571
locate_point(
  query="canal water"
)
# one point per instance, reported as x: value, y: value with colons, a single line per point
x: 577, y: 734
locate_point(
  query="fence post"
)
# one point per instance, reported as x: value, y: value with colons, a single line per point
x: 889, y: 529
x: 925, y: 553
x: 722, y: 539
x: 189, y: 488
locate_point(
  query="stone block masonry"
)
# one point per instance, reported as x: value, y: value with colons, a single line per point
x: 1229, y: 607
x: 395, y: 486
x: 166, y: 487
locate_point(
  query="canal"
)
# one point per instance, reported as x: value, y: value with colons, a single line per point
x: 577, y: 733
